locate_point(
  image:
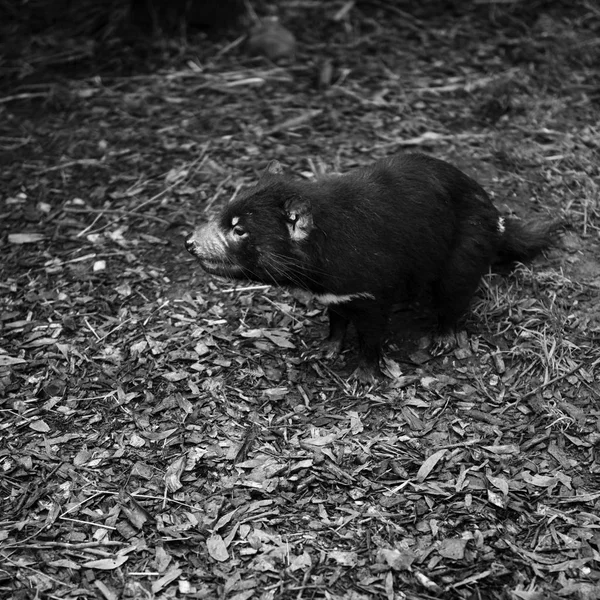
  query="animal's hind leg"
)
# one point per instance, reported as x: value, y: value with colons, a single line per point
x: 453, y: 292
x: 452, y: 299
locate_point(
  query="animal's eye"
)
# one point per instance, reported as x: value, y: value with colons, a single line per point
x: 238, y: 231
x: 292, y: 217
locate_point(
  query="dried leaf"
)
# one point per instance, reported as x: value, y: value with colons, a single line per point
x: 503, y: 449
x: 106, y: 564
x: 453, y: 548
x: 134, y: 511
x: 216, y: 547
x: 356, y: 425
x: 279, y: 339
x: 166, y: 579
x: 108, y: 593
x: 174, y: 471
x: 25, y: 238
x: 39, y: 426
x: 496, y: 499
x: 538, y: 480
x: 430, y: 464
x: 499, y: 482
x: 82, y: 457
x: 300, y: 562
x: 345, y: 559
x: 64, y: 563
x: 399, y: 560
x: 320, y: 441
x: 162, y: 559
x: 6, y: 361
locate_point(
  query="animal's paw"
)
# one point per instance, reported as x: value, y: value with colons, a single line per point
x: 368, y: 374
x: 391, y: 368
x: 332, y: 347
x: 444, y: 343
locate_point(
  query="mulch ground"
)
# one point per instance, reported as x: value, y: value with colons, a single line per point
x: 165, y: 433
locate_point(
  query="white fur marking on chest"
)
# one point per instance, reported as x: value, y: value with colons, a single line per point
x: 341, y: 298
x: 501, y: 225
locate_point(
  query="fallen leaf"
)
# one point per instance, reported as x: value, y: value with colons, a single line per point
x: 496, y: 499
x: 538, y: 480
x: 166, y: 579
x: 356, y: 425
x: 7, y: 361
x: 279, y: 340
x: 174, y: 471
x: 500, y: 483
x: 25, y: 238
x: 106, y: 564
x: 64, y: 563
x: 399, y: 560
x: 40, y: 426
x: 453, y: 548
x: 133, y: 510
x: 429, y: 464
x: 303, y: 561
x: 108, y: 593
x: 345, y: 559
x: 162, y: 559
x: 216, y: 547
x: 503, y: 449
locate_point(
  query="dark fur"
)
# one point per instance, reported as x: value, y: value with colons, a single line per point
x: 404, y: 224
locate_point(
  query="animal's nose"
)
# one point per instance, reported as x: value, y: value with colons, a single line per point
x: 189, y: 245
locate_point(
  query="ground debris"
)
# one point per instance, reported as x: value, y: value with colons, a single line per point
x: 164, y: 433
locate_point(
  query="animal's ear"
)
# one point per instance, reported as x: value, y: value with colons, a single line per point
x: 273, y: 168
x: 298, y: 212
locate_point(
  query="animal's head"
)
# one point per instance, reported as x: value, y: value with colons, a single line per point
x: 260, y: 235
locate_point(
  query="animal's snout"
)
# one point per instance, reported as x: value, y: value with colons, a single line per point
x: 189, y: 245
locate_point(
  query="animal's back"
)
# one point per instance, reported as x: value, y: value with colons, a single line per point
x: 393, y: 224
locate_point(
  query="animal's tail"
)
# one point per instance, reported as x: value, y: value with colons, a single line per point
x: 522, y: 241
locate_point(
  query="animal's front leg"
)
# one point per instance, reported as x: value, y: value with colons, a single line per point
x: 370, y: 322
x: 338, y: 324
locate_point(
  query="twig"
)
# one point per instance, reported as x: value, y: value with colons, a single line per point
x: 66, y: 545
x: 87, y: 162
x: 294, y: 122
x: 344, y: 11
x: 430, y: 137
x: 231, y: 46
x: 20, y: 565
x: 249, y: 288
x: 196, y: 163
x: 543, y: 386
x: 220, y: 187
x: 91, y: 328
x: 407, y: 19
x: 90, y: 523
x: 23, y: 97
x: 115, y: 211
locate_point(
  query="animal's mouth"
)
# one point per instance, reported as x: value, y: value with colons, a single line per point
x: 217, y: 267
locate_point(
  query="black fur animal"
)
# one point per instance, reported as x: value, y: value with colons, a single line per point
x: 362, y: 241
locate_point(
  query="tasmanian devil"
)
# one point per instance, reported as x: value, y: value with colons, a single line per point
x: 364, y: 240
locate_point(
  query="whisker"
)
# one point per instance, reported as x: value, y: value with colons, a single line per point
x: 290, y: 268
x: 291, y: 260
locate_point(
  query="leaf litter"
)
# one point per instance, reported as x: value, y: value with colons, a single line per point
x: 165, y: 433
